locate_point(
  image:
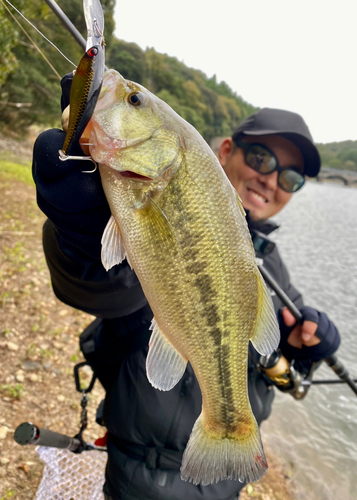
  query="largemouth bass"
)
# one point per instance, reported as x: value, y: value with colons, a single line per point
x: 181, y: 225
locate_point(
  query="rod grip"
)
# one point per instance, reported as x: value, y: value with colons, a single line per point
x: 29, y: 433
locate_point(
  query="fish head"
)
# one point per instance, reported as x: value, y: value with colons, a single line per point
x: 133, y: 132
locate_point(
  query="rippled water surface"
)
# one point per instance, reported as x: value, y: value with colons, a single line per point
x: 317, y: 437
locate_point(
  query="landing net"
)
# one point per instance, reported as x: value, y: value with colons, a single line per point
x: 71, y: 476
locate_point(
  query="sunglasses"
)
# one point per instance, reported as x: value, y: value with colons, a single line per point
x: 263, y: 160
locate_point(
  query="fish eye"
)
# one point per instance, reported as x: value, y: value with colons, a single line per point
x: 92, y: 52
x: 136, y: 99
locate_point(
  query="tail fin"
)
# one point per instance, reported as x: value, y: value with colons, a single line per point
x: 207, y: 460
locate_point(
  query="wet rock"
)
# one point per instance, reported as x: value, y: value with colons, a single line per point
x: 31, y: 366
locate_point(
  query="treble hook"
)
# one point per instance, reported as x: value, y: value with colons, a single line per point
x: 91, y: 171
x: 64, y: 157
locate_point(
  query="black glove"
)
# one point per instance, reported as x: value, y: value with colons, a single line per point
x: 326, y: 332
x: 74, y: 201
x: 78, y: 212
x: 66, y: 84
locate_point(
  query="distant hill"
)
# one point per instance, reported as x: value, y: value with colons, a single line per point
x: 30, y: 91
x: 340, y: 155
x: 210, y: 106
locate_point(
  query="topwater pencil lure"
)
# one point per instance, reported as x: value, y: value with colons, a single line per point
x: 87, y: 80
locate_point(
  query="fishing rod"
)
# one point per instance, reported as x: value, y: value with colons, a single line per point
x: 28, y: 433
x: 67, y: 23
x: 331, y: 361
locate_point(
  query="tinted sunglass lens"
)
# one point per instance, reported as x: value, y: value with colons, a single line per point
x: 290, y: 180
x: 260, y: 159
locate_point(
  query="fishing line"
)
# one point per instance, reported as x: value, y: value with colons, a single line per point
x: 38, y: 31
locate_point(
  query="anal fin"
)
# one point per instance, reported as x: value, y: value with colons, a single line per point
x: 266, y: 336
x: 164, y: 365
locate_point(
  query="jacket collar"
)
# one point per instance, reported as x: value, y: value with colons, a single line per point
x: 264, y: 226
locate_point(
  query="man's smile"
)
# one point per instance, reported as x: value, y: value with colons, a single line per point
x: 260, y: 198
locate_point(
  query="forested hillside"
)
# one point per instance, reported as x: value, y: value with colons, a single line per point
x: 30, y: 90
x: 341, y: 155
x: 212, y: 107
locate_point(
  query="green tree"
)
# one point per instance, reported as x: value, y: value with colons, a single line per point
x: 210, y: 106
x: 348, y: 155
x: 128, y: 59
x: 29, y: 82
x: 8, y: 40
x: 341, y: 155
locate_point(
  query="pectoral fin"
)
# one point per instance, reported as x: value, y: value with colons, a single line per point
x: 160, y: 225
x: 240, y: 204
x: 164, y: 365
x: 113, y: 250
x: 266, y: 335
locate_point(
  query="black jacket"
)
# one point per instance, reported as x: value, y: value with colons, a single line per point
x: 134, y: 412
x: 156, y: 424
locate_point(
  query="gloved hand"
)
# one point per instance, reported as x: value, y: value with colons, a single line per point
x: 78, y: 212
x: 315, y: 338
x: 74, y: 201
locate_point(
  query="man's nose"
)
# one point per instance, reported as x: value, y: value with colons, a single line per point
x: 270, y: 180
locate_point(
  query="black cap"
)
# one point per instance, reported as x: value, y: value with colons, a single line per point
x: 287, y: 124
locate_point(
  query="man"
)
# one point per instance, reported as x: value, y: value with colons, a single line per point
x: 149, y: 429
x: 267, y: 160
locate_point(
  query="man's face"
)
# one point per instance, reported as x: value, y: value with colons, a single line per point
x: 260, y: 193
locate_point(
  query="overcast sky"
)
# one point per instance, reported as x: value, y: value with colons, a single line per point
x: 298, y: 55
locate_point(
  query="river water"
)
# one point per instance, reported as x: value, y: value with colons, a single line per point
x: 317, y: 438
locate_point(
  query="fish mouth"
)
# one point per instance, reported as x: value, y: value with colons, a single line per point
x: 132, y: 175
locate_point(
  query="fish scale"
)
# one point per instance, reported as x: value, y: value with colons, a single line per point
x: 183, y: 230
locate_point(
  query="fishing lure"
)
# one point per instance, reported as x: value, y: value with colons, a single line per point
x: 87, y: 79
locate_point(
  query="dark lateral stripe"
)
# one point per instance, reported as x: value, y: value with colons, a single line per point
x: 189, y: 240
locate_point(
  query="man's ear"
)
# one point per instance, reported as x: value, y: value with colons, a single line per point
x: 225, y: 150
